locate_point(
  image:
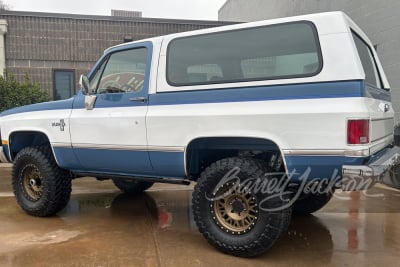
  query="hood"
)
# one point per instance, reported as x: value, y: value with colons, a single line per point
x: 52, y: 105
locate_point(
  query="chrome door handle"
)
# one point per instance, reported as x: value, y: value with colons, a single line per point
x: 138, y: 99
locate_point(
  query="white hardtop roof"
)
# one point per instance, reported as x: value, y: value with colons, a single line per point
x: 326, y: 23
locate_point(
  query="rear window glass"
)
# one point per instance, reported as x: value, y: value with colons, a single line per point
x: 368, y: 62
x: 270, y: 52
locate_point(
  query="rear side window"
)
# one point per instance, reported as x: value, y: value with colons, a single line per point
x: 289, y: 50
x: 368, y: 62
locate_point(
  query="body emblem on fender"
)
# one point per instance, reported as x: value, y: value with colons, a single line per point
x: 60, y: 124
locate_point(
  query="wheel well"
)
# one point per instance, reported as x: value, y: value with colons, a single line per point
x: 20, y: 140
x: 201, y: 152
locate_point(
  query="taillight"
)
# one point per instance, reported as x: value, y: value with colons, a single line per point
x: 357, y: 132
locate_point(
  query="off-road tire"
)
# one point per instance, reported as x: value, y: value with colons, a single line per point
x: 55, y: 182
x: 131, y: 186
x: 311, y: 203
x: 267, y: 228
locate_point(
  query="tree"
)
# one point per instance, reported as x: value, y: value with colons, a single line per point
x: 15, y: 94
x: 4, y: 6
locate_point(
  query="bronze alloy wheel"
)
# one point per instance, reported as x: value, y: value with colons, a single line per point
x: 234, y: 211
x: 31, y: 182
x: 229, y: 215
x: 40, y: 186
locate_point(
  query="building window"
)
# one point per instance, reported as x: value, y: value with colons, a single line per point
x: 63, y: 84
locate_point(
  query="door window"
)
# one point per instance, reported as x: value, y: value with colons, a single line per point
x: 124, y: 72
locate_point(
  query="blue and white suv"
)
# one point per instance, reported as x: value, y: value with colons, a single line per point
x: 255, y: 113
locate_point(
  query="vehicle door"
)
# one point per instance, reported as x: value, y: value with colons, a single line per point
x: 110, y: 136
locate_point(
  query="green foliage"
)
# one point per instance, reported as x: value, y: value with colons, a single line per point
x: 15, y: 94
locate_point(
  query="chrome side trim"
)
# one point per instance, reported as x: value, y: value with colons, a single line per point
x: 121, y: 147
x: 166, y: 148
x: 61, y: 145
x: 325, y: 152
x: 110, y: 147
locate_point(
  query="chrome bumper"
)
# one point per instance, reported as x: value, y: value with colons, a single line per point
x: 3, y: 158
x: 362, y: 177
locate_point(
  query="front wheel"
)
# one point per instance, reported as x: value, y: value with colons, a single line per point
x: 232, y: 218
x: 40, y: 186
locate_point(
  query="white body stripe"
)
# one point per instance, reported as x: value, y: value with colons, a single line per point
x: 297, y: 124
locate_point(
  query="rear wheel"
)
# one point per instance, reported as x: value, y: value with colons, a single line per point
x: 40, y: 186
x: 131, y: 186
x: 235, y: 220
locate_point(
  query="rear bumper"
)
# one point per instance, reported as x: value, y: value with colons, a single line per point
x: 362, y: 177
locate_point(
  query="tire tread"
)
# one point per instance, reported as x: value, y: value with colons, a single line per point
x: 260, y: 243
x: 58, y: 182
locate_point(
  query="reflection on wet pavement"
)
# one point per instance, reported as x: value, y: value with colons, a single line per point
x: 101, y: 227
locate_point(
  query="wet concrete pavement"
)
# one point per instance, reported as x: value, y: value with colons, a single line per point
x: 101, y: 227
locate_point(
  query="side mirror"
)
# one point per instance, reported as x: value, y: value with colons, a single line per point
x: 84, y: 84
x: 89, y: 99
